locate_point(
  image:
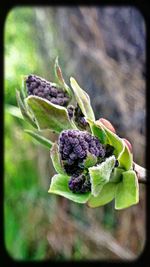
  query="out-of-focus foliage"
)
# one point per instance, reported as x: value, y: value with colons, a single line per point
x: 23, y: 189
x: 109, y: 63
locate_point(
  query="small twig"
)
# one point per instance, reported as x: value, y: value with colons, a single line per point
x: 141, y: 173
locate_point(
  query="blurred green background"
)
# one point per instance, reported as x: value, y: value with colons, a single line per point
x: 104, y: 49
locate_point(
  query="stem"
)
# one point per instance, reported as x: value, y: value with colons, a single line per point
x: 141, y: 173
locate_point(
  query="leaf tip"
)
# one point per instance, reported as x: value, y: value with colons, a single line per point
x: 56, y: 61
x: 72, y: 80
x: 128, y: 144
x: 107, y: 124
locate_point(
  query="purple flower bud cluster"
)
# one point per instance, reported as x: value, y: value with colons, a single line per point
x: 79, y: 118
x: 70, y: 110
x: 42, y: 88
x: 79, y: 184
x: 74, y: 146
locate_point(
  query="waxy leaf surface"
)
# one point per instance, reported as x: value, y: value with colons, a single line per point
x: 48, y: 115
x: 98, y: 131
x: 127, y: 193
x: 41, y: 139
x: 54, y: 153
x: 106, y: 195
x: 23, y: 110
x: 126, y: 159
x: 114, y: 140
x: 82, y: 99
x: 100, y: 174
x: 59, y: 185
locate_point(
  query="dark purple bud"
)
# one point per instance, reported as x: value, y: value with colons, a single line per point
x: 74, y: 145
x: 35, y: 91
x: 53, y: 94
x: 61, y: 95
x: 55, y: 101
x: 116, y: 163
x: 46, y: 90
x: 40, y: 94
x: 79, y: 118
x: 109, y: 150
x: 79, y: 184
x: 70, y: 162
x: 70, y: 111
x: 73, y: 156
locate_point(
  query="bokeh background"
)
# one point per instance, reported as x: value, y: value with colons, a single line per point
x: 104, y: 49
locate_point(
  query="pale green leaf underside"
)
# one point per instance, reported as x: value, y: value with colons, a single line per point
x: 48, y: 115
x: 114, y: 140
x: 127, y: 193
x: 14, y: 111
x: 98, y: 131
x: 100, y: 174
x: 41, y: 139
x: 54, y: 153
x: 23, y: 87
x: 106, y: 195
x: 116, y: 175
x: 23, y: 109
x: 59, y: 186
x: 82, y: 99
x: 90, y: 160
x: 126, y: 159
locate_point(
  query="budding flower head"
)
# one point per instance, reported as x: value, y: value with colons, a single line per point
x: 74, y: 146
x: 40, y: 87
x: 79, y: 184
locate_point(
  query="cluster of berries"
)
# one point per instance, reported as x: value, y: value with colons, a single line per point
x: 40, y: 87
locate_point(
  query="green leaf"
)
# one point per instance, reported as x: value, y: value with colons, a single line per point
x: 127, y: 193
x: 14, y: 111
x: 82, y: 99
x: 54, y: 153
x: 100, y: 174
x: 90, y: 160
x: 41, y: 139
x: 23, y: 87
x: 48, y: 115
x: 106, y: 195
x: 59, y: 76
x: 24, y: 111
x: 126, y: 159
x: 98, y: 131
x: 49, y: 134
x: 59, y: 185
x: 114, y: 140
x: 116, y: 175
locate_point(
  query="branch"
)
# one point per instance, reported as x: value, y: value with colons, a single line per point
x: 141, y: 173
